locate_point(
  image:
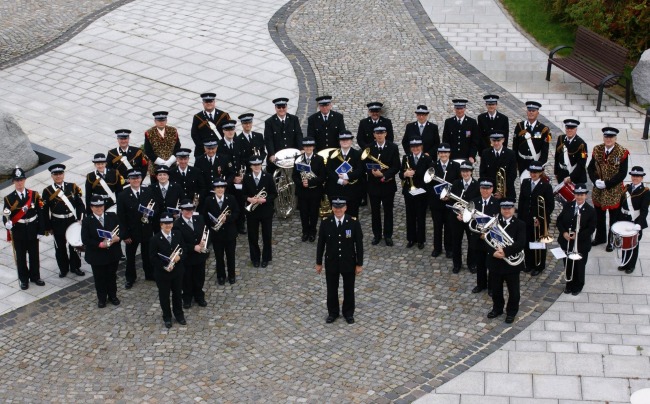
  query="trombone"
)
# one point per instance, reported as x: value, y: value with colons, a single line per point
x: 574, y: 255
x: 543, y: 237
x: 501, y: 182
x: 178, y: 251
x: 251, y: 206
x: 366, y: 155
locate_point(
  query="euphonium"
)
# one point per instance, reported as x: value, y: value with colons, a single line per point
x: 366, y: 155
x: 251, y: 206
x: 513, y: 260
x: 325, y: 207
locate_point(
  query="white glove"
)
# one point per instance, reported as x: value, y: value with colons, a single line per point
x: 159, y: 161
x: 637, y: 227
x: 9, y: 225
x: 171, y: 161
x: 600, y: 184
x: 40, y: 236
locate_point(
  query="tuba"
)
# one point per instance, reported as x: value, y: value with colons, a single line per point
x: 286, y: 199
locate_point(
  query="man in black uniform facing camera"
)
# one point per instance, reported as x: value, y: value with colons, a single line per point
x: 499, y: 160
x: 213, y: 165
x: 222, y: 211
x: 206, y: 124
x: 571, y: 154
x: 488, y: 205
x: 167, y: 195
x: 500, y: 270
x: 578, y: 211
x: 325, y: 125
x: 423, y: 128
x: 634, y: 208
x: 23, y: 219
x: 252, y: 142
x: 192, y: 228
x: 165, y: 253
x: 366, y: 131
x: 461, y: 133
x: 260, y: 212
x: 414, y: 165
x: 491, y: 122
x: 102, y: 252
x: 281, y: 131
x: 449, y: 171
x: 125, y: 157
x: 104, y: 182
x: 346, y: 184
x: 63, y: 205
x: 189, y: 178
x: 340, y: 239
x: 466, y: 188
x: 309, y: 188
x: 531, y: 139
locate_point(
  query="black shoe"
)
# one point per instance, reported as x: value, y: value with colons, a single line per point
x: 567, y: 291
x: 350, y: 320
x: 264, y: 264
x: 232, y: 280
x: 128, y: 285
x: 78, y: 272
x: 168, y: 323
x: 435, y: 253
x: 181, y: 321
x: 101, y: 305
x: 330, y: 319
x: 576, y: 292
x: 456, y: 270
x: 622, y: 268
x: 609, y: 248
x: 597, y: 242
x: 304, y: 237
x: 221, y: 281
x: 151, y: 278
x: 202, y: 303
x: 472, y: 269
x: 629, y: 270
x: 478, y: 289
x: 256, y: 264
x: 449, y: 254
x: 364, y: 202
x: 114, y: 301
x: 420, y: 246
x: 410, y: 244
x: 494, y: 314
x: 490, y: 292
x: 123, y: 257
x: 526, y: 270
x: 312, y: 238
x: 389, y: 242
x: 63, y: 274
x: 375, y: 240
x: 187, y: 305
x: 39, y: 282
x: 536, y: 272
x: 24, y: 285
x: 510, y: 319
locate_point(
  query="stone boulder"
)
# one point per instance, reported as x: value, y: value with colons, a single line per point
x: 641, y: 79
x: 15, y: 148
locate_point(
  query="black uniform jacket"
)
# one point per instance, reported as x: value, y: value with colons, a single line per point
x: 342, y: 246
x: 430, y: 137
x: 366, y: 131
x: 171, y: 199
x: 640, y: 201
x: 191, y: 238
x: 325, y: 134
x: 389, y: 155
x: 567, y: 221
x: 134, y: 155
x: 420, y: 168
x: 278, y: 136
x: 254, y: 146
x: 95, y: 255
x: 201, y: 131
x: 192, y: 182
x: 541, y: 138
x: 451, y: 174
x: 491, y: 209
x: 228, y: 231
x: 249, y: 188
x: 315, y: 185
x: 488, y: 126
x: 529, y: 208
x: 31, y: 227
x: 463, y: 138
x: 114, y: 181
x: 130, y: 219
x: 517, y: 231
x: 220, y: 167
x: 159, y: 244
x: 458, y: 188
x: 54, y: 205
x: 236, y: 155
x: 358, y: 169
x: 578, y: 153
x: 490, y: 165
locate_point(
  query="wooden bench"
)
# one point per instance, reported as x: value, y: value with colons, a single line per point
x: 594, y: 60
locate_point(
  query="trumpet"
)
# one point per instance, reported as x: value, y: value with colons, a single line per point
x: 195, y: 200
x: 574, y: 255
x: 506, y: 241
x: 145, y: 216
x: 408, y: 167
x: 178, y: 251
x: 251, y: 206
x: 109, y: 241
x: 366, y: 155
x: 204, y: 240
x: 430, y: 175
x: 501, y: 182
x: 218, y: 223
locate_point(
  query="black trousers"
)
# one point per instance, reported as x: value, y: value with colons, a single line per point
x: 458, y: 229
x: 165, y: 286
x: 441, y: 228
x: 482, y: 279
x: 309, y: 207
x: 353, y: 202
x: 512, y: 283
x: 33, y: 271
x: 416, y: 217
x: 575, y: 270
x: 376, y: 203
x: 635, y: 254
x: 601, y: 228
x: 193, y: 281
x: 220, y: 248
x: 66, y: 257
x: 332, y: 277
x: 105, y: 280
x: 253, y: 224
x: 241, y: 202
x: 130, y: 274
x: 534, y: 259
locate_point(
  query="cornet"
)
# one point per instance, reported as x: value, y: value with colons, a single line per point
x: 366, y: 155
x: 145, y: 216
x: 408, y: 167
x: 218, y: 222
x: 178, y: 251
x: 204, y: 239
x: 109, y: 241
x: 195, y: 200
x: 251, y: 206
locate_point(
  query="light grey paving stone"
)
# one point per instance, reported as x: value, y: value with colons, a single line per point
x: 605, y: 389
x: 559, y: 326
x: 634, y: 319
x: 504, y: 384
x: 497, y: 362
x: 532, y: 362
x: 550, y: 386
x: 625, y: 366
x: 435, y: 398
x: 546, y: 335
x: 531, y: 346
x: 576, y: 337
x: 582, y: 364
x: 624, y: 350
x: 520, y: 400
x: 620, y: 328
x: 590, y: 327
x: 560, y: 347
x: 474, y: 399
x: 606, y: 339
x: 465, y: 383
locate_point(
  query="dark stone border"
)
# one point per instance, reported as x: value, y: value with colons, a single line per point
x: 46, y: 157
x: 65, y: 36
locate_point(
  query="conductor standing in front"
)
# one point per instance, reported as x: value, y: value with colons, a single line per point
x: 341, y: 241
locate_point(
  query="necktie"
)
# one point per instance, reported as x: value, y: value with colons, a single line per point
x: 22, y: 197
x: 416, y: 158
x: 484, y: 205
x: 338, y: 223
x: 101, y: 220
x: 528, y: 126
x: 607, y: 153
x: 183, y: 173
x: 231, y: 146
x: 465, y: 185
x: 169, y: 238
x: 421, y: 129
x: 444, y: 167
x: 189, y: 223
x: 137, y: 194
x: 210, y: 115
x: 325, y: 118
x: 211, y: 160
x: 577, y: 211
x: 496, y: 153
x: 164, y: 192
x: 532, y: 186
x: 220, y: 202
x: 257, y: 181
x: 491, y: 118
x: 100, y: 175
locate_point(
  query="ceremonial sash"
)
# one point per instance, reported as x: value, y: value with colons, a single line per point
x: 65, y: 200
x: 531, y: 146
x: 633, y: 213
x: 126, y: 163
x: 107, y: 189
x: 567, y: 162
x: 22, y: 212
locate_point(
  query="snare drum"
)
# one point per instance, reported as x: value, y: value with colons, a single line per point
x: 626, y: 237
x: 564, y: 192
x: 73, y: 235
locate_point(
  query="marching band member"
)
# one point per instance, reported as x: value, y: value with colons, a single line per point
x: 224, y: 239
x: 366, y: 130
x: 382, y: 187
x: 423, y: 128
x: 281, y: 131
x: 342, y: 259
x: 634, y: 208
x: 461, y: 133
x: 491, y: 121
x: 466, y: 188
x: 189, y: 178
x: 252, y: 142
x: 501, y: 271
x: 348, y: 183
x: 125, y: 157
x: 607, y: 170
x: 192, y: 227
x: 213, y: 166
x: 167, y: 195
x: 23, y: 219
x: 135, y: 226
x: 102, y: 253
x: 414, y: 165
x: 530, y: 212
x: 63, y: 205
x: 161, y: 142
x: 325, y: 125
x: 260, y: 212
x: 531, y: 138
x: 571, y: 155
x: 449, y: 171
x: 488, y: 205
x: 231, y: 147
x: 206, y: 124
x: 104, y: 182
x: 573, y: 213
x: 496, y: 161
x: 168, y: 269
x: 309, y: 189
